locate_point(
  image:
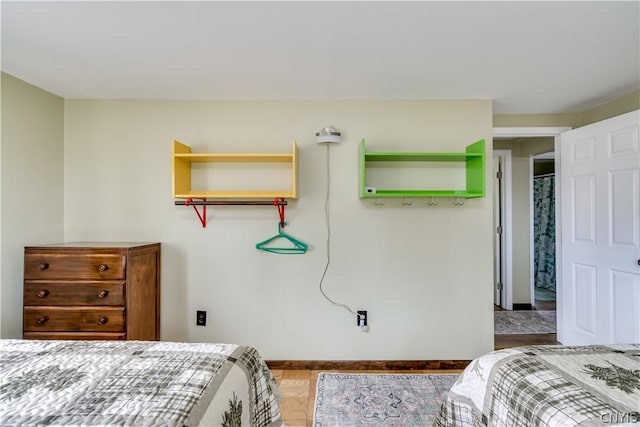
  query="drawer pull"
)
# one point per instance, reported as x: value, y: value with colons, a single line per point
x: 103, y: 267
x: 43, y: 293
x: 102, y: 321
x: 103, y: 293
x: 43, y: 266
x: 42, y: 320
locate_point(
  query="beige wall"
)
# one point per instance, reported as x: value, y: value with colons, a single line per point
x: 421, y: 272
x: 521, y: 225
x: 621, y: 105
x: 31, y: 185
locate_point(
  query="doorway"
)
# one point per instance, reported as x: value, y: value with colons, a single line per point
x: 518, y: 291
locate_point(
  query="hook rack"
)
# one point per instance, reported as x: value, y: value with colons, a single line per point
x: 458, y: 201
x: 278, y: 202
x: 433, y: 202
x: 406, y: 202
x: 378, y: 202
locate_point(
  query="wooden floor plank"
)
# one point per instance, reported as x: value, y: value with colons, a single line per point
x: 295, y: 385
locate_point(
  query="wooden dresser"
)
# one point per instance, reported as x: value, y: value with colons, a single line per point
x: 92, y: 290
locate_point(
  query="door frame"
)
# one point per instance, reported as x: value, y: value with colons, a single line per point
x: 506, y: 295
x: 516, y: 132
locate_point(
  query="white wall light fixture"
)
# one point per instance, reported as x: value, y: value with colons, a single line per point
x: 327, y: 134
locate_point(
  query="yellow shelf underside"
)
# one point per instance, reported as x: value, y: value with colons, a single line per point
x: 235, y: 157
x: 237, y: 194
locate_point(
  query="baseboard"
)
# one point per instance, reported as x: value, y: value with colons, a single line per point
x: 370, y: 365
x: 522, y: 307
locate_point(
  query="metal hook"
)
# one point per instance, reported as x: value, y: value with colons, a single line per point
x: 406, y: 202
x: 459, y: 201
x: 378, y: 202
x: 433, y: 202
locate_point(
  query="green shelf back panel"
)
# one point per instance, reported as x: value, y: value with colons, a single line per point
x: 474, y: 158
x: 362, y: 165
x: 476, y: 168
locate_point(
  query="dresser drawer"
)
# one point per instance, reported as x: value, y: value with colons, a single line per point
x: 77, y: 319
x: 47, y: 266
x: 75, y: 335
x: 74, y: 293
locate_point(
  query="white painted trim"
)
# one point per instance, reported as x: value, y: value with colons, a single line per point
x: 514, y: 132
x: 559, y: 265
x: 549, y: 155
x: 507, y: 235
x: 532, y: 276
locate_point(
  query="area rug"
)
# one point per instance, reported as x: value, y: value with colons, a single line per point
x: 525, y: 322
x: 354, y: 400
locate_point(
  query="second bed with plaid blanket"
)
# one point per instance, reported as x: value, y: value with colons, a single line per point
x: 547, y: 386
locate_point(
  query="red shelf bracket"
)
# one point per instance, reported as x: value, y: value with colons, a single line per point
x: 279, y: 203
x: 203, y: 217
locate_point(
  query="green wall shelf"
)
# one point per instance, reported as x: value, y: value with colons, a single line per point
x: 472, y: 161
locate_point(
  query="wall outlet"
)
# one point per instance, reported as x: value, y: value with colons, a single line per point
x: 362, y: 318
x: 201, y: 318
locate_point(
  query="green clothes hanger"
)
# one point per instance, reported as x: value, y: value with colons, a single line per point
x: 295, y: 247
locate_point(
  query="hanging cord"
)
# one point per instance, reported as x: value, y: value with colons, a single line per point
x: 328, y: 224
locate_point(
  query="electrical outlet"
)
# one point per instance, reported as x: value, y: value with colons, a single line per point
x: 362, y: 318
x: 201, y: 318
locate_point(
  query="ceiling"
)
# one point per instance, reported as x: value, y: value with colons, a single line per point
x: 528, y: 57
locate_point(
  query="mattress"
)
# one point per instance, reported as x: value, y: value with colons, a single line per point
x: 135, y: 383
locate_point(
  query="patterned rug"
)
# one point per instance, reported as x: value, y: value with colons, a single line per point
x: 525, y: 322
x: 354, y: 400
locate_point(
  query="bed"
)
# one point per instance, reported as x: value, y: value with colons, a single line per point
x: 547, y: 386
x: 135, y: 383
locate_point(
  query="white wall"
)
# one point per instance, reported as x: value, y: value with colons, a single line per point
x: 424, y: 274
x: 31, y: 186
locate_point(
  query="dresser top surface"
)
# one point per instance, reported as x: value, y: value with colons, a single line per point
x: 107, y: 245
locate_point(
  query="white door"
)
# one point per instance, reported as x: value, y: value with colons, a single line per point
x: 600, y: 226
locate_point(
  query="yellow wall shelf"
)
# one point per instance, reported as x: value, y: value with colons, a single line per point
x: 183, y: 158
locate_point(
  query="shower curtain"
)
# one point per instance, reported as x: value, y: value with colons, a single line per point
x: 544, y: 232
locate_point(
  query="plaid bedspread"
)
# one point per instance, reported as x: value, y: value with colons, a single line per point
x: 547, y: 386
x: 134, y: 383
